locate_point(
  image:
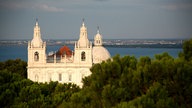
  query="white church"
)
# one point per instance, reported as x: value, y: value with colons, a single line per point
x: 64, y: 66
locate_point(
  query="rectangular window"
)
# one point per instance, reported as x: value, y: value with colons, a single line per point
x: 60, y: 77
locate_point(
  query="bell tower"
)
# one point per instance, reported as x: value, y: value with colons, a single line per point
x: 83, y: 48
x: 83, y: 41
x: 36, y: 48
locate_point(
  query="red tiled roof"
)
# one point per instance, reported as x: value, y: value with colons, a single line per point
x: 64, y: 50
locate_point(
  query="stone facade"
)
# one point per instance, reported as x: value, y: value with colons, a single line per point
x: 65, y: 68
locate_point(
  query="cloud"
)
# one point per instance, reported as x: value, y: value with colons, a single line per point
x: 13, y: 5
x: 45, y: 7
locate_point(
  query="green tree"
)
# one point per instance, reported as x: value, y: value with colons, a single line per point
x: 15, y: 66
x: 187, y: 50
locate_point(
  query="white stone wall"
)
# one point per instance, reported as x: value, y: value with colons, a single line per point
x: 68, y: 75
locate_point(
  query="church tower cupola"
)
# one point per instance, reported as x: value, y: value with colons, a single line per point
x: 37, y: 41
x: 83, y: 48
x: 98, y: 39
x: 83, y: 41
x: 36, y: 47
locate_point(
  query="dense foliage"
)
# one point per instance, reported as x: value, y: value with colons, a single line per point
x: 121, y: 82
x: 19, y: 92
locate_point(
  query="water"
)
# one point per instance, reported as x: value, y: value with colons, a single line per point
x: 14, y: 52
x: 138, y: 52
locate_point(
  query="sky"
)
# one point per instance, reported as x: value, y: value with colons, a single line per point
x: 117, y: 19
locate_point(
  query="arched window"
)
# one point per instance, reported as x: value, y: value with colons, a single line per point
x: 36, y: 56
x: 83, y: 57
x: 70, y: 77
x: 36, y: 78
x: 60, y: 77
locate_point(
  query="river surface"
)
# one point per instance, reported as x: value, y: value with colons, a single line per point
x: 20, y: 51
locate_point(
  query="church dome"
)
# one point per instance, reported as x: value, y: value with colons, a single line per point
x: 100, y: 54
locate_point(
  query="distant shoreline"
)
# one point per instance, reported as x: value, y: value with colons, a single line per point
x: 120, y: 43
x: 146, y: 46
x: 113, y: 46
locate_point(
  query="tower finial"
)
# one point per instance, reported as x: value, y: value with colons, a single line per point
x: 83, y: 19
x: 83, y: 22
x: 36, y: 21
x: 98, y: 29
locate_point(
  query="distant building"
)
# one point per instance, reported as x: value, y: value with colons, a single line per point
x: 64, y: 66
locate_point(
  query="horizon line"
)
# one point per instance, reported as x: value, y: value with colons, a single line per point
x: 107, y: 39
